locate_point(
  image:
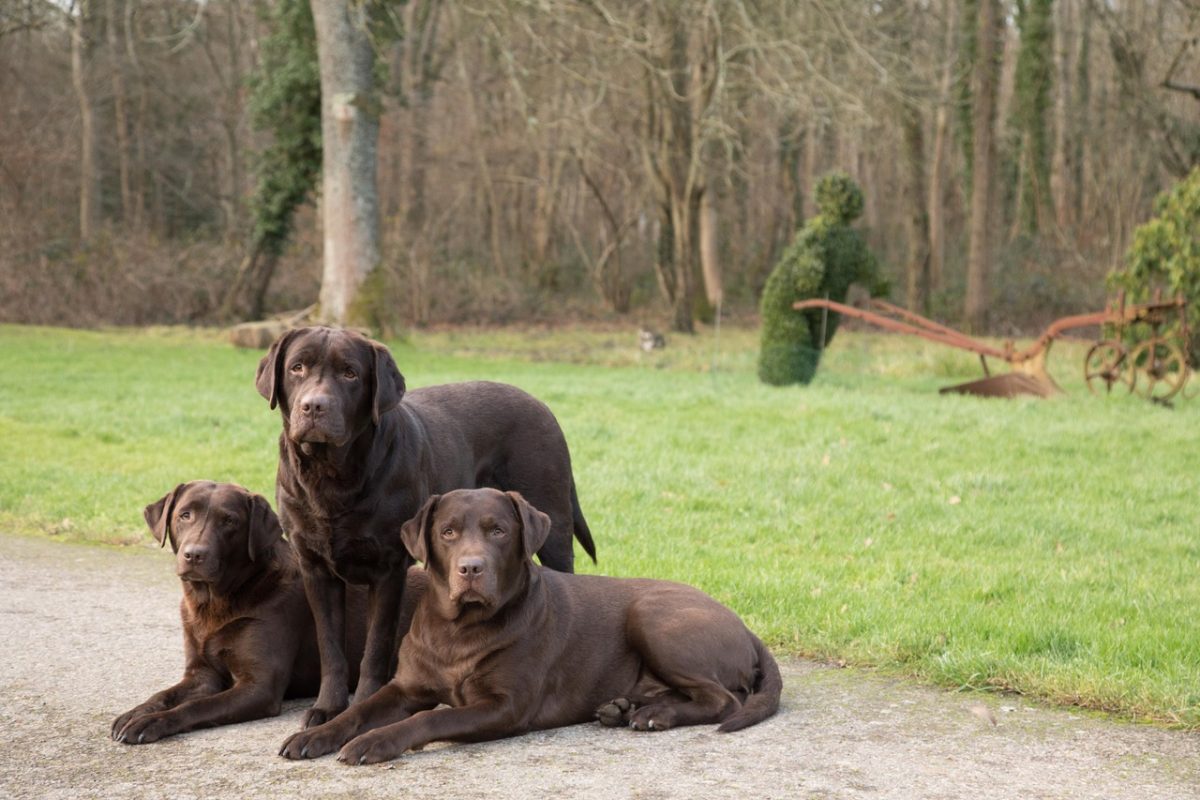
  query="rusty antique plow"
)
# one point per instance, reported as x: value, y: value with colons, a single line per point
x: 1154, y: 365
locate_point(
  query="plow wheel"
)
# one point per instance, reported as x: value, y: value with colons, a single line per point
x: 1156, y: 369
x: 1103, y: 364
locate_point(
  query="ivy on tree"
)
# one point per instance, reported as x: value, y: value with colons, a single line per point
x: 824, y: 259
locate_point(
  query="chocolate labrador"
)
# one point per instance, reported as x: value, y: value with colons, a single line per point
x: 248, y: 635
x: 357, y: 458
x: 513, y: 647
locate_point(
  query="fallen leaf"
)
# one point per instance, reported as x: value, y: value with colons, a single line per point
x: 887, y: 487
x: 825, y: 460
x: 955, y: 500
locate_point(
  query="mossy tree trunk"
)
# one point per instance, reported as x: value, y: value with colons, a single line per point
x: 349, y: 136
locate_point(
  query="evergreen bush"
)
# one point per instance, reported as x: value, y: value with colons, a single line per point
x: 824, y: 259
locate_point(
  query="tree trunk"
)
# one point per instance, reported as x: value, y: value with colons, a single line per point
x: 664, y: 261
x: 984, y: 84
x: 1034, y: 78
x: 1080, y: 125
x: 246, y: 297
x: 917, y: 218
x: 137, y: 179
x: 350, y: 134
x: 89, y: 172
x: 120, y: 114
x: 710, y: 265
x: 941, y: 132
x: 683, y: 222
x: 231, y: 118
x: 1060, y: 179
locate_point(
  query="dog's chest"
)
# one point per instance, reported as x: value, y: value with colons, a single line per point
x: 220, y: 652
x: 352, y: 548
x: 456, y: 668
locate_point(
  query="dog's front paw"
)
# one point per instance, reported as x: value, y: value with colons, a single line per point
x: 312, y: 743
x: 371, y: 748
x: 615, y: 713
x: 319, y: 716
x: 142, y: 729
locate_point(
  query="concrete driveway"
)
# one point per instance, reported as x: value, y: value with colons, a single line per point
x: 89, y: 632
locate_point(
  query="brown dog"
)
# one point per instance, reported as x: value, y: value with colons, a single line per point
x: 358, y: 457
x: 248, y: 636
x: 513, y: 647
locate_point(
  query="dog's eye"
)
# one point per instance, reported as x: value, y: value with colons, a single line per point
x: 349, y: 374
x: 497, y: 531
x: 297, y: 368
x: 448, y: 533
x: 185, y: 515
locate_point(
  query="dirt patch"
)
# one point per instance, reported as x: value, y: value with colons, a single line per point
x: 91, y: 632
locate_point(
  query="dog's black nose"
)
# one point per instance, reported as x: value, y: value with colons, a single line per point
x: 470, y: 566
x: 315, y: 404
x: 194, y: 553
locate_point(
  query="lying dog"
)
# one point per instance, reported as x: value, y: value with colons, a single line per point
x: 358, y: 457
x: 248, y: 635
x: 514, y: 647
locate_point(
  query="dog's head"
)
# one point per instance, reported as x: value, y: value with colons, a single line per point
x: 478, y: 546
x: 220, y: 532
x: 329, y: 383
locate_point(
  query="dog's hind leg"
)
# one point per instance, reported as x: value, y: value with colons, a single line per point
x: 707, y: 704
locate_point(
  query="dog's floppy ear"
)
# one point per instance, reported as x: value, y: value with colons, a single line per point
x: 270, y: 368
x: 264, y: 527
x: 389, y: 383
x: 415, y: 532
x: 158, y: 517
x: 535, y: 526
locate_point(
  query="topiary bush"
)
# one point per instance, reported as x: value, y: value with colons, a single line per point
x: 1165, y: 254
x: 826, y: 257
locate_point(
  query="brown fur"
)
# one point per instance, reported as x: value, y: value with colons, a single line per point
x: 357, y: 457
x: 511, y: 647
x: 249, y: 640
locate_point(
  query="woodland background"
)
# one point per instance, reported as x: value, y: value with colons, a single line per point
x: 544, y: 160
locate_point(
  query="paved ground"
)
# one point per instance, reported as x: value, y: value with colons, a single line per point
x: 88, y: 633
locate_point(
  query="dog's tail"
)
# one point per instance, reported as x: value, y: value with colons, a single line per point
x: 764, y: 700
x: 582, y: 532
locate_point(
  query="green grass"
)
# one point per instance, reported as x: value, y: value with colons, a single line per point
x: 1046, y: 547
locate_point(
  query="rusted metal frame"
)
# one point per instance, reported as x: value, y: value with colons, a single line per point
x: 1055, y: 330
x: 916, y: 319
x: 887, y: 323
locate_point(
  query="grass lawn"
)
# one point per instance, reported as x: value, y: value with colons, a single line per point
x: 1046, y: 547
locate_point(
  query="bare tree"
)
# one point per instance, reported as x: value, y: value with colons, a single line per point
x: 349, y: 134
x: 82, y: 23
x: 984, y: 87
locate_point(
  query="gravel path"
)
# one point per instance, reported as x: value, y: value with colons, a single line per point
x: 89, y: 632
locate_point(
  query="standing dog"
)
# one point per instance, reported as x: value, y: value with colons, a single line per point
x: 514, y: 647
x: 358, y: 457
x: 248, y: 635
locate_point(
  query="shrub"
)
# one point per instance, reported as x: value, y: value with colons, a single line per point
x: 1165, y: 254
x: 825, y: 258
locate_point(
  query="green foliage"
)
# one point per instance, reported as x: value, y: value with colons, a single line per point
x: 968, y: 49
x: 1165, y: 255
x: 825, y: 258
x: 1031, y: 102
x: 838, y: 198
x: 286, y: 102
